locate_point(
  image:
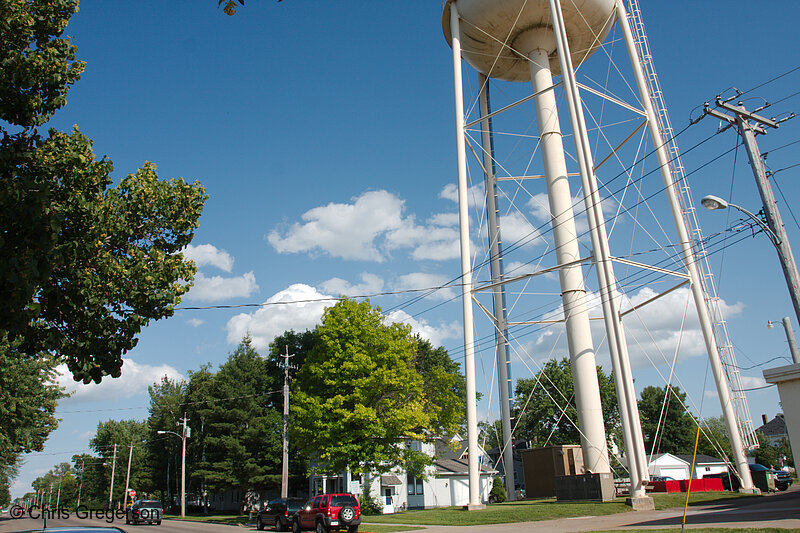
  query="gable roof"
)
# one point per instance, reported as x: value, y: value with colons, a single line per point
x: 775, y: 427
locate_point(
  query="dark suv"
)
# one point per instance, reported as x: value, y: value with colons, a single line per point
x: 144, y: 511
x: 782, y: 479
x: 279, y: 512
x: 328, y: 511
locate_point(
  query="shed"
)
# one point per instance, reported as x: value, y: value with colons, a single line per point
x: 668, y: 465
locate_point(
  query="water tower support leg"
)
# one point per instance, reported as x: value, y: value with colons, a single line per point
x: 573, y: 295
x: 466, y: 271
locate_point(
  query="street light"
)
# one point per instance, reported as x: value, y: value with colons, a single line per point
x: 712, y: 202
x: 186, y: 434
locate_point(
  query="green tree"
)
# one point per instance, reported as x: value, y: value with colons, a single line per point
x: 490, y: 434
x: 773, y: 455
x: 123, y: 434
x: 358, y: 395
x: 714, y: 439
x: 666, y: 425
x: 28, y: 400
x: 91, y: 476
x: 444, y: 386
x: 242, y: 434
x: 544, y: 406
x: 167, y: 404
x: 89, y: 265
x: 200, y: 402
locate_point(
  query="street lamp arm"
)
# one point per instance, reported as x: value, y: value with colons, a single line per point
x: 162, y: 432
x: 774, y: 238
x: 715, y: 202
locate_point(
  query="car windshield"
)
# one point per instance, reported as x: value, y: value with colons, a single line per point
x: 151, y: 504
x: 344, y: 499
x: 758, y: 468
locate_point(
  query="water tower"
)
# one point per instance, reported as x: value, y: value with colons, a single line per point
x: 533, y: 41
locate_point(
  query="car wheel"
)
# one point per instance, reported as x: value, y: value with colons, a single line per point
x: 259, y: 524
x: 158, y: 522
x: 352, y: 529
x: 321, y: 527
x: 347, y: 514
x: 296, y: 526
x: 278, y: 524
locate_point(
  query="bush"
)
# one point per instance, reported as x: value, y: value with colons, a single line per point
x: 498, y: 492
x: 370, y: 505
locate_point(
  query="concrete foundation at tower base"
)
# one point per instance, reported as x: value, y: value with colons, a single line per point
x: 644, y: 503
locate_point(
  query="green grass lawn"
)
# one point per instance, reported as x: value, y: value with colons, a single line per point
x: 535, y: 510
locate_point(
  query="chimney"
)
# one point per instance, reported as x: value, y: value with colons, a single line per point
x: 764, y: 419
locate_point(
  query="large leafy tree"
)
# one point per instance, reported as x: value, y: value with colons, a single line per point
x: 241, y: 433
x: 714, y: 439
x: 544, y: 405
x: 358, y: 395
x: 666, y: 425
x: 444, y: 386
x: 87, y: 265
x: 28, y: 400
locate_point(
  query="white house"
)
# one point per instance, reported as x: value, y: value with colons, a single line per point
x: 704, y: 465
x: 668, y: 465
x: 447, y: 482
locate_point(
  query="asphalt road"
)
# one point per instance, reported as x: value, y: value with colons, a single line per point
x: 781, y: 510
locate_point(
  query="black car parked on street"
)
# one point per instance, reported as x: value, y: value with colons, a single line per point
x: 278, y: 513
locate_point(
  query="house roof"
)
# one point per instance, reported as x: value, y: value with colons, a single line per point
x: 775, y: 427
x: 457, y: 466
x: 700, y: 459
x: 387, y: 480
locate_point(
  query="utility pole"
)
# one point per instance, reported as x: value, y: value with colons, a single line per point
x: 185, y: 435
x: 111, y: 490
x: 80, y: 487
x: 285, y: 464
x: 128, y: 478
x: 741, y: 118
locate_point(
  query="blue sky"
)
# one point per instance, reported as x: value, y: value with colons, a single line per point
x: 323, y: 133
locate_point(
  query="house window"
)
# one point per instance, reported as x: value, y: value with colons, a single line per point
x: 414, y: 485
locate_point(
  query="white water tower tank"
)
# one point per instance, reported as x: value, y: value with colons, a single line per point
x: 490, y: 28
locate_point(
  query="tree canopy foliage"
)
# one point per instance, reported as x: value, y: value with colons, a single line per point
x: 28, y: 400
x: 359, y: 394
x: 544, y: 405
x: 87, y: 265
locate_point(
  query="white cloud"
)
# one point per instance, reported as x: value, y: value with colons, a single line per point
x: 196, y: 322
x: 207, y: 254
x: 653, y: 332
x: 518, y: 268
x: 434, y: 334
x: 422, y: 280
x: 368, y: 229
x: 134, y: 380
x: 752, y: 382
x: 270, y: 321
x: 475, y: 194
x: 347, y: 231
x: 370, y: 284
x: 516, y: 230
x: 217, y: 288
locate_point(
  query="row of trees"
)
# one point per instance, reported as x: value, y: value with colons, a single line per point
x: 361, y: 387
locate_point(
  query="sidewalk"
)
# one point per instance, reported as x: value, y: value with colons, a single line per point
x: 780, y: 510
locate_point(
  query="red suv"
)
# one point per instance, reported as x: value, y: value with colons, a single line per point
x: 328, y: 511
